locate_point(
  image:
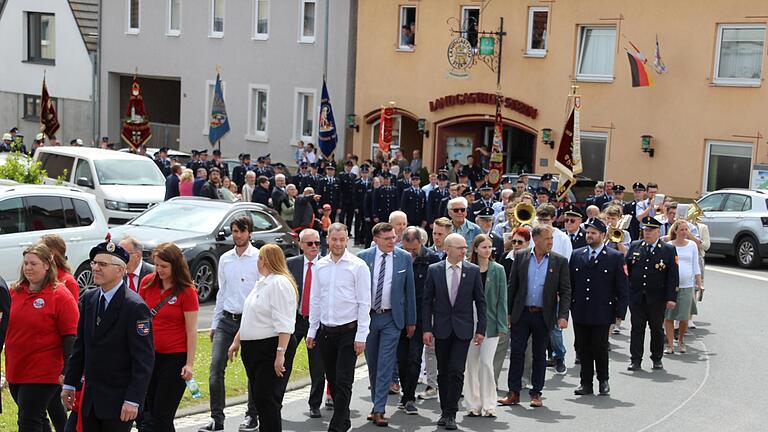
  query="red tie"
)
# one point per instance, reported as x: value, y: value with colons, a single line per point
x: 307, y: 285
x: 132, y: 284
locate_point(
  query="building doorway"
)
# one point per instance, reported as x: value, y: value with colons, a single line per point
x: 162, y: 100
x: 458, y: 140
x: 405, y: 136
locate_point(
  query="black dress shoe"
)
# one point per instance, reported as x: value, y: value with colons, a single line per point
x: 584, y: 390
x: 657, y: 365
x: 450, y: 423
x: 315, y: 413
x: 605, y: 388
x: 634, y: 366
x: 442, y: 420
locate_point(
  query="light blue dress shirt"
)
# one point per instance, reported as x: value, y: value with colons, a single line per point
x: 537, y: 274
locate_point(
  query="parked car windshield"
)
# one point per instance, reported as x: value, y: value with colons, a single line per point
x: 136, y: 173
x: 182, y: 217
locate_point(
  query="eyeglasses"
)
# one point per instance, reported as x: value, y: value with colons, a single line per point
x: 517, y: 242
x: 460, y: 247
x: 312, y: 243
x: 569, y: 220
x: 459, y: 210
x: 102, y: 264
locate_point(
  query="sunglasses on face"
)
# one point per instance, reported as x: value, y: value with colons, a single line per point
x: 517, y: 242
x: 571, y: 220
x: 459, y: 210
x: 312, y: 243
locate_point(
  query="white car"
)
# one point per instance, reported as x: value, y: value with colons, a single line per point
x: 28, y: 212
x: 124, y: 184
x: 180, y: 156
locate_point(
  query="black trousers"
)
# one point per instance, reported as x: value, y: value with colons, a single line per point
x: 259, y: 362
x: 592, y: 345
x: 346, y: 216
x: 339, y: 358
x: 530, y: 325
x: 451, y: 354
x: 359, y: 222
x: 165, y: 390
x: 33, y: 401
x: 316, y: 370
x: 93, y: 424
x: 409, y: 352
x: 651, y: 315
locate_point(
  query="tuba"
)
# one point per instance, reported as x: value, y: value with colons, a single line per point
x: 524, y: 214
x: 694, y: 212
x: 616, y: 234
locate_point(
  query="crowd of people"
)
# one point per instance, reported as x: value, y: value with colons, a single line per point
x: 455, y: 277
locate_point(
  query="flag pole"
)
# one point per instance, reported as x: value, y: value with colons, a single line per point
x: 325, y: 37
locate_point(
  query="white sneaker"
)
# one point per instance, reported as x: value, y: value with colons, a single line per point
x: 429, y: 393
x: 691, y: 324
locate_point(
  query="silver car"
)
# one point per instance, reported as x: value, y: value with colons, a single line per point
x: 738, y: 224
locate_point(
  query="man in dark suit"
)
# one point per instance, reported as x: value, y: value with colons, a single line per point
x: 330, y: 191
x: 435, y: 197
x: 630, y: 208
x: 413, y: 202
x: 573, y: 228
x: 305, y: 209
x: 484, y: 219
x: 301, y: 267
x: 279, y: 193
x: 217, y: 163
x: 539, y: 293
x: 261, y: 192
x: 172, y: 183
x: 393, y: 308
x: 486, y: 200
x: 449, y: 322
x: 347, y: 196
x: 136, y: 268
x: 114, y: 349
x: 653, y: 281
x: 238, y: 173
x: 599, y: 295
x: 211, y: 188
x: 384, y: 200
x: 360, y: 190
x: 200, y: 179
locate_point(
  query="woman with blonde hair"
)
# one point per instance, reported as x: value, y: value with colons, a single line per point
x: 689, y: 278
x: 266, y: 334
x: 63, y: 271
x: 40, y: 336
x: 186, y: 181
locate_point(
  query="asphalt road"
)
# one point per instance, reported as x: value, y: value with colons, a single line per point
x: 715, y: 386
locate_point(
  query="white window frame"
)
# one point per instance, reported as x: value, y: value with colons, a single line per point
x: 478, y: 9
x: 169, y: 31
x: 210, y: 88
x: 604, y: 136
x: 737, y: 82
x: 211, y: 32
x: 252, y: 134
x: 400, y: 46
x: 531, y: 52
x: 579, y: 53
x: 708, y: 154
x: 297, y: 126
x: 302, y: 38
x: 256, y: 34
x: 397, y: 119
x: 128, y: 29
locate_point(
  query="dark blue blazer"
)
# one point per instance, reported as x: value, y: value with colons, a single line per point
x: 653, y: 275
x: 442, y: 319
x: 198, y: 185
x: 599, y: 291
x: 172, y: 186
x: 116, y: 357
x: 414, y: 204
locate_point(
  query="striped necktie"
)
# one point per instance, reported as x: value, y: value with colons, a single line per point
x: 380, y: 283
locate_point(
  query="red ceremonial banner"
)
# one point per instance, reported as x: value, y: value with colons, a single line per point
x: 49, y: 120
x: 385, y: 129
x: 136, y: 131
x: 496, y: 165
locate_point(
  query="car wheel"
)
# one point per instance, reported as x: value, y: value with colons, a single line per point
x: 747, y: 254
x: 84, y: 278
x: 204, y: 275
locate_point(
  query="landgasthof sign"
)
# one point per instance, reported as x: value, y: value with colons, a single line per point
x: 482, y: 98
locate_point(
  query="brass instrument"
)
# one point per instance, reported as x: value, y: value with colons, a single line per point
x: 616, y: 234
x: 524, y: 214
x: 694, y: 212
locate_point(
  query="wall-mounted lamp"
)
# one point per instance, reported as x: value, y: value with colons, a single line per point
x: 352, y: 122
x: 421, y: 126
x: 546, y: 137
x: 646, y: 145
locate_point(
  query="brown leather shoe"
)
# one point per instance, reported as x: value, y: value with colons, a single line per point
x: 536, y: 401
x: 511, y: 398
x: 370, y: 417
x: 379, y: 420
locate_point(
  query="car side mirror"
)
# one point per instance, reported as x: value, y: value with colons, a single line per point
x: 223, y: 234
x: 84, y: 182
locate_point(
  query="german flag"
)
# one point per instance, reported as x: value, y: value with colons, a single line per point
x: 641, y: 77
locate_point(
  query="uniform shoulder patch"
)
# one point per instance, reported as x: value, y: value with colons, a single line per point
x: 143, y: 327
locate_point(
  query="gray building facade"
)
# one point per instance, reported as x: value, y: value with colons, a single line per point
x: 271, y: 56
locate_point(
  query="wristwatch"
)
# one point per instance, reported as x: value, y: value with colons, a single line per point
x: 280, y: 349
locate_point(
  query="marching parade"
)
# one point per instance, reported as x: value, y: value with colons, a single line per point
x: 465, y: 262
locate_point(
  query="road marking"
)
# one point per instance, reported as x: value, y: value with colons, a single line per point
x: 735, y: 273
x: 701, y: 386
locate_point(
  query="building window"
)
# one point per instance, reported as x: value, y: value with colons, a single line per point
x: 593, y: 150
x: 258, y: 98
x: 41, y: 38
x: 133, y: 12
x: 596, y: 53
x: 307, y: 25
x: 32, y: 107
x: 305, y: 114
x: 538, y: 18
x: 261, y: 19
x: 174, y: 18
x: 470, y: 22
x: 217, y: 18
x: 740, y: 50
x: 210, y: 86
x: 407, y: 32
x: 729, y: 165
x: 396, y: 123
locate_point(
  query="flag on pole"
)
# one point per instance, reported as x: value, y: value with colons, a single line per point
x: 385, y: 129
x: 327, y: 137
x: 658, y: 65
x: 136, y: 130
x: 496, y: 165
x: 638, y: 66
x: 219, y: 124
x: 568, y: 161
x: 49, y: 120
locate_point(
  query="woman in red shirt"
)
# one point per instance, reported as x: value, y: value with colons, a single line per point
x: 63, y: 271
x: 171, y: 295
x: 41, y: 332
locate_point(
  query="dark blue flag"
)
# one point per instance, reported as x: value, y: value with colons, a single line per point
x: 326, y: 125
x: 219, y: 124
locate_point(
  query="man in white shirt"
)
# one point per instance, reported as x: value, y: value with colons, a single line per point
x: 238, y: 273
x: 339, y: 318
x: 136, y: 268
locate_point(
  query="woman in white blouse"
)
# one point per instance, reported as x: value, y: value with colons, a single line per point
x: 266, y: 333
x: 690, y: 277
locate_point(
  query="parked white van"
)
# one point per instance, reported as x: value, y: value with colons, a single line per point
x: 28, y: 212
x: 124, y: 184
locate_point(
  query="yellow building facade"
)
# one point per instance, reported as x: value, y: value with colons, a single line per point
x: 707, y: 116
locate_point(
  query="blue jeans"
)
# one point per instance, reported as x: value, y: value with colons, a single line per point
x: 381, y: 355
x: 556, y: 342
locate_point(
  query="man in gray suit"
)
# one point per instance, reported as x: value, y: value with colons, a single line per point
x: 137, y: 268
x: 539, y: 293
x: 393, y: 307
x: 452, y: 292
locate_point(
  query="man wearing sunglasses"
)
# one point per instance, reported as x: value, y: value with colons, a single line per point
x: 573, y: 228
x: 457, y: 211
